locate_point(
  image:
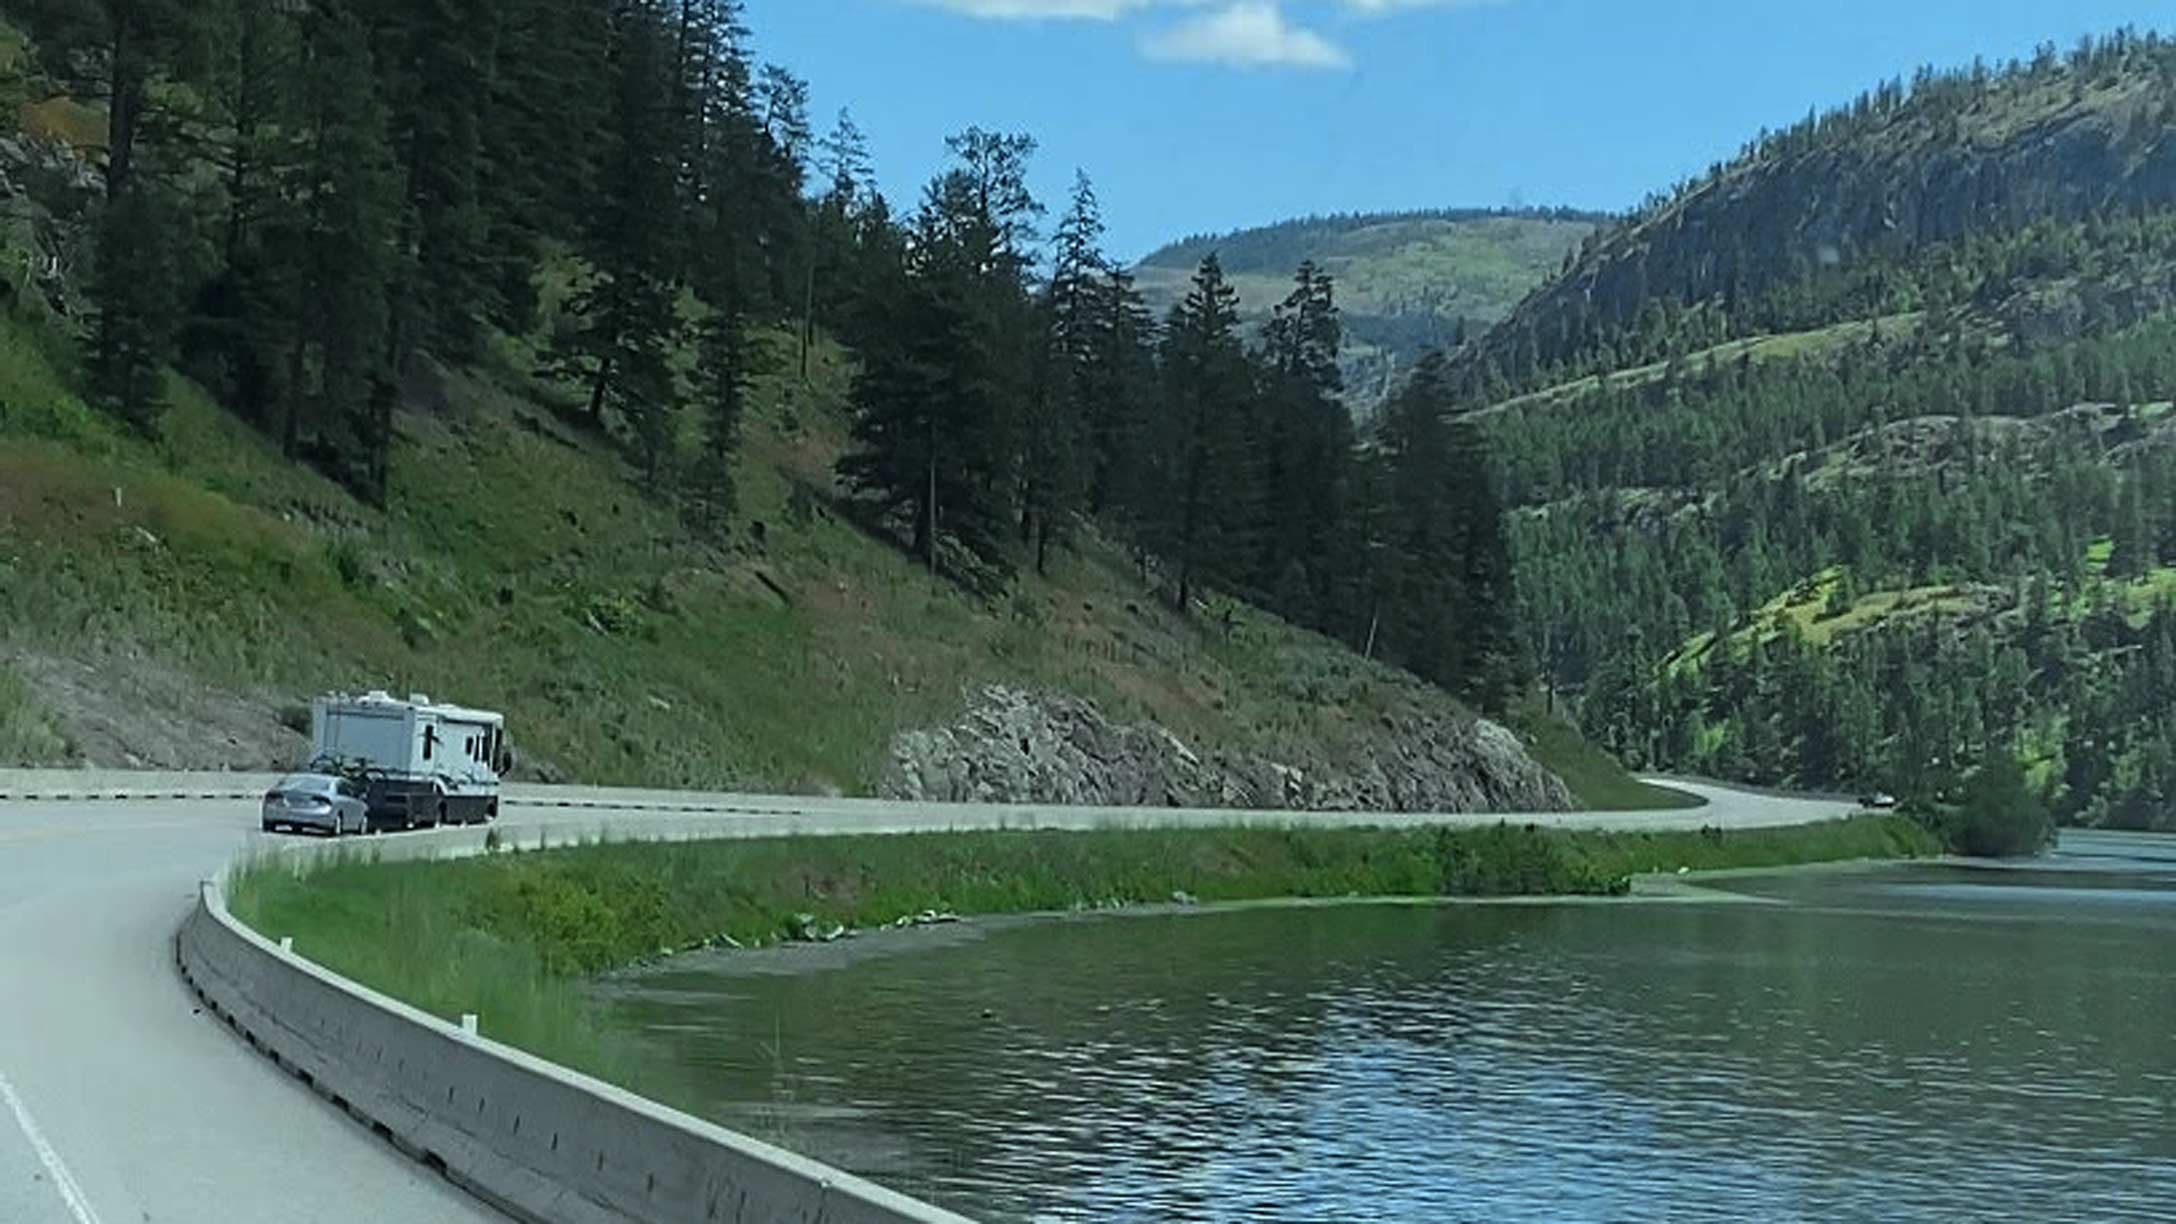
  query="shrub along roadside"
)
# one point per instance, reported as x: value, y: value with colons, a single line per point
x: 1999, y: 815
x: 510, y: 936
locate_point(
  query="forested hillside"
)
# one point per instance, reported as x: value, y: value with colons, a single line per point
x: 1852, y: 458
x: 1407, y: 282
x: 541, y: 352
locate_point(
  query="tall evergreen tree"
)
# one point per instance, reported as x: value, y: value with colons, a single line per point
x: 946, y: 365
x: 625, y: 319
x: 136, y: 310
x: 1200, y: 457
x: 437, y: 60
x: 1488, y: 665
x: 1119, y: 402
x: 1306, y: 447
x: 242, y: 318
x: 1054, y: 468
x: 338, y: 386
x: 1420, y: 623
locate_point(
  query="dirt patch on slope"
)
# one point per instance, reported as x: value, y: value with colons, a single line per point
x: 140, y: 714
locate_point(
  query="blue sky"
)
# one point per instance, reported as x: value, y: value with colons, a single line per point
x: 1206, y: 115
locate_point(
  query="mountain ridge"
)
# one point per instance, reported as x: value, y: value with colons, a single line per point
x: 1880, y: 407
x: 1407, y: 281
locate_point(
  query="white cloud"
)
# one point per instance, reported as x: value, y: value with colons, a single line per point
x: 1042, y: 10
x: 1239, y: 33
x: 1112, y: 10
x: 1375, y: 8
x: 1247, y: 34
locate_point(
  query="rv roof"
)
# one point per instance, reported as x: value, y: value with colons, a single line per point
x: 380, y: 699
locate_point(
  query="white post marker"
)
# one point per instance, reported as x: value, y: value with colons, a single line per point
x: 468, y: 1023
x: 287, y: 943
x: 63, y: 1180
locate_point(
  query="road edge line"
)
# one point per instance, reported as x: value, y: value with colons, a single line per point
x: 71, y: 1192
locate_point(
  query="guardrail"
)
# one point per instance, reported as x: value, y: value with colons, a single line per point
x: 542, y: 1143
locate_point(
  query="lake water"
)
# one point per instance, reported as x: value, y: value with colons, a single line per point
x: 1918, y: 1043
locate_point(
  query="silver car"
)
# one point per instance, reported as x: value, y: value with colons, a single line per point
x: 316, y: 803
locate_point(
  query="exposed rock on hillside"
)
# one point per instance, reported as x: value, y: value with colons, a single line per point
x: 46, y: 197
x: 1020, y: 747
x: 2055, y: 145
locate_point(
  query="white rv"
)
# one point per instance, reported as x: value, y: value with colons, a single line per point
x: 421, y: 763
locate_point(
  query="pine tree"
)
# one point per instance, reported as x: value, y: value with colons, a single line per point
x: 2134, y: 550
x: 242, y: 321
x: 135, y: 295
x: 1422, y: 598
x: 1054, y: 469
x: 437, y: 60
x: 1489, y: 665
x: 724, y: 361
x: 1306, y: 446
x: 946, y: 361
x: 349, y: 202
x: 1200, y: 459
x: 543, y: 148
x: 835, y: 248
x: 1119, y: 401
x: 114, y: 53
x: 625, y: 319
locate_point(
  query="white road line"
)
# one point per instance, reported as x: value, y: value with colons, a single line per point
x: 63, y: 1180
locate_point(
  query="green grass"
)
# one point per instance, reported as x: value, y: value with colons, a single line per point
x: 510, y: 936
x: 1478, y: 267
x: 1596, y: 779
x: 27, y: 737
x: 521, y: 567
x: 1805, y: 612
x: 1860, y: 837
x: 1822, y: 340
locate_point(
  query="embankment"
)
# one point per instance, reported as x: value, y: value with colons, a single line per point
x: 510, y: 935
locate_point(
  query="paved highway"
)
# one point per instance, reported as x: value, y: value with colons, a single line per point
x: 119, y: 1104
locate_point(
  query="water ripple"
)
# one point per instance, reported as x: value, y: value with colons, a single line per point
x: 1868, y: 1054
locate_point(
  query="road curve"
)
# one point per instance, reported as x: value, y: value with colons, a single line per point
x: 120, y: 1105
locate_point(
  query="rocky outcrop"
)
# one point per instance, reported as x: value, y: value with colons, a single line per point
x: 47, y: 193
x: 1884, y: 189
x: 1014, y: 746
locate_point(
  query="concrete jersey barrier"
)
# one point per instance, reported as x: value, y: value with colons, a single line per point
x: 538, y: 1141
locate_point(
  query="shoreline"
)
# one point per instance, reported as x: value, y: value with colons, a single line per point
x: 526, y: 938
x: 797, y: 957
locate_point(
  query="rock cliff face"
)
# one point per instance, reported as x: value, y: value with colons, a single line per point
x: 1020, y: 747
x: 2025, y: 152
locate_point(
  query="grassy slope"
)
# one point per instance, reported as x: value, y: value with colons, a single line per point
x: 507, y: 936
x: 520, y: 568
x: 1834, y: 338
x: 1803, y: 611
x: 1478, y: 268
x: 1386, y: 267
x: 1595, y: 776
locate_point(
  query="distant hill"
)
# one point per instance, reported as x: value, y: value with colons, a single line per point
x: 1406, y: 281
x: 1851, y: 461
x: 1856, y: 212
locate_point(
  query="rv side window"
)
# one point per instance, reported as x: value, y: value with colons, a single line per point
x: 430, y: 738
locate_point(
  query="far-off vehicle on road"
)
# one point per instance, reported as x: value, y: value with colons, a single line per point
x: 419, y: 764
